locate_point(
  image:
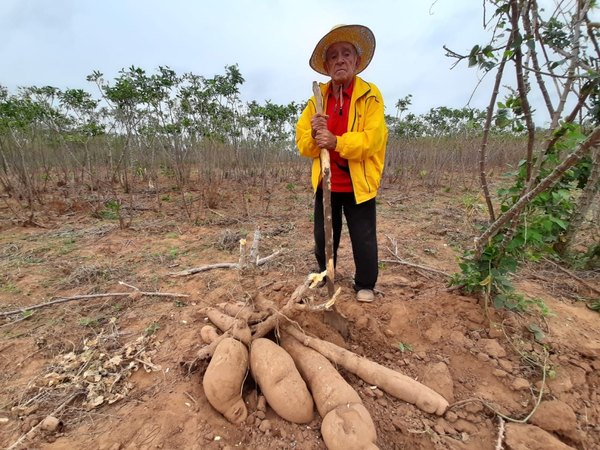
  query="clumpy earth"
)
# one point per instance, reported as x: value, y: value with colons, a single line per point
x: 111, y: 369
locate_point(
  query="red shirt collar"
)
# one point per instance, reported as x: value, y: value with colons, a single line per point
x: 346, y: 92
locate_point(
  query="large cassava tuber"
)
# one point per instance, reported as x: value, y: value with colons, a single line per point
x: 349, y: 427
x: 328, y: 387
x: 224, y: 378
x: 392, y: 382
x: 283, y: 387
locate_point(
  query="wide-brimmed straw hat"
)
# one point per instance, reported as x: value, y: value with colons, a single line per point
x: 360, y: 36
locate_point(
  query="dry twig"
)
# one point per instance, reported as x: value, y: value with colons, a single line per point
x: 90, y: 296
x: 572, y: 275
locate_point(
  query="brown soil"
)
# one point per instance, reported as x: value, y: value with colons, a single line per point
x: 123, y: 354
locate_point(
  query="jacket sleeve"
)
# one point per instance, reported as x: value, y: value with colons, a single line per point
x: 307, y: 146
x: 361, y: 145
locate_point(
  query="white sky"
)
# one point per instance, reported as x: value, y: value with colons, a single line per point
x: 60, y: 42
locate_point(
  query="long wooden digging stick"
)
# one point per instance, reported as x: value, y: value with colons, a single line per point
x: 326, y: 173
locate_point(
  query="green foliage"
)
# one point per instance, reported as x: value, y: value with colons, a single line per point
x: 88, y: 322
x: 111, y: 210
x: 437, y: 122
x: 541, y: 226
x: 404, y: 347
x: 151, y: 329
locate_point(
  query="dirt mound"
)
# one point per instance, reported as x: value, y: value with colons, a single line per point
x: 109, y: 368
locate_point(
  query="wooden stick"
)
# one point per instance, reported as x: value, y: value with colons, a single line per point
x: 327, y: 214
x: 572, y: 275
x: 195, y: 270
x: 86, y: 297
x: 416, y: 266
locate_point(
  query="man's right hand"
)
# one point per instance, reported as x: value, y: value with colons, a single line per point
x: 318, y: 123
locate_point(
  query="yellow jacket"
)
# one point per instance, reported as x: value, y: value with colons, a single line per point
x: 363, y: 145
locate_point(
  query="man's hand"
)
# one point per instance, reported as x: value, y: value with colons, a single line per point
x: 318, y: 123
x: 326, y: 139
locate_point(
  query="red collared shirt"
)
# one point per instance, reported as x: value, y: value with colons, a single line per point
x: 337, y: 123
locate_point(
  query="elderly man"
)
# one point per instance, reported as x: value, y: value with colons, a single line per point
x: 353, y: 131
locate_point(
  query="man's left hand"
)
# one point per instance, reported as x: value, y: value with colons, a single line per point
x: 326, y: 139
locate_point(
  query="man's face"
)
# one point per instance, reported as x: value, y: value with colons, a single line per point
x: 341, y: 61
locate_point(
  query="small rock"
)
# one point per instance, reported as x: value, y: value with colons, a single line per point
x: 389, y: 333
x: 362, y: 322
x: 520, y: 384
x: 439, y: 429
x: 437, y: 376
x: 506, y: 365
x: 493, y: 348
x: 578, y: 376
x: 451, y: 416
x: 265, y: 426
x: 554, y: 415
x: 590, y: 349
x: 457, y: 338
x: 261, y: 415
x: 465, y: 426
x: 421, y: 355
x: 581, y: 364
x: 261, y: 405
x: 378, y: 393
x: 483, y: 357
x: 495, y: 331
x: 4, y: 420
x: 397, y: 423
x: 277, y: 287
x: 434, y: 334
x: 443, y: 427
x: 51, y: 424
x: 389, y: 356
x: 499, y: 373
x: 529, y: 437
x: 473, y: 407
x: 561, y: 382
x: 368, y: 392
x: 383, y: 402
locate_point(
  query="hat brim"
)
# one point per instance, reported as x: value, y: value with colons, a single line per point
x: 360, y: 36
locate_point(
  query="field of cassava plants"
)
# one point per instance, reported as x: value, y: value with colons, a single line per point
x: 130, y: 274
x: 157, y: 285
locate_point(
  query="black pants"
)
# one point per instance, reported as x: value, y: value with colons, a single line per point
x: 362, y: 226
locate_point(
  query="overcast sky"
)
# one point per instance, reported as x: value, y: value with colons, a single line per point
x: 60, y: 42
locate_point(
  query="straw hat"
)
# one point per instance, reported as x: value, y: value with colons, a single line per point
x: 360, y: 36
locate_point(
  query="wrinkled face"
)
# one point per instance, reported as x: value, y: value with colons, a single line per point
x: 341, y: 61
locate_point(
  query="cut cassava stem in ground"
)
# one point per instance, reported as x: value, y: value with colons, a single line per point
x: 392, y: 382
x: 331, y: 316
x: 326, y: 186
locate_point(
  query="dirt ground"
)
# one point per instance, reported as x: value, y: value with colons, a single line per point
x: 109, y: 368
